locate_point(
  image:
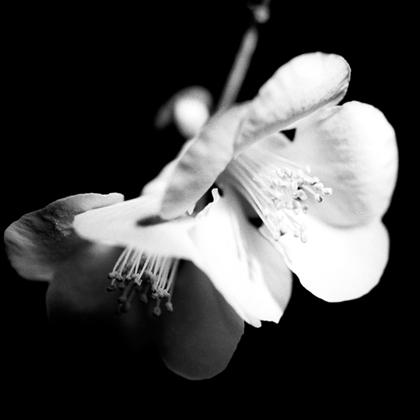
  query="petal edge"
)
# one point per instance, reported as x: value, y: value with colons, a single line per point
x: 298, y: 88
x: 338, y: 264
x: 40, y: 240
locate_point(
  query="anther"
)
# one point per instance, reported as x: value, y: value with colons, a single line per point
x: 157, y: 311
x: 111, y: 288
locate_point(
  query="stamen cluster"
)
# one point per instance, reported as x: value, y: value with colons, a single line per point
x: 278, y: 190
x: 146, y: 275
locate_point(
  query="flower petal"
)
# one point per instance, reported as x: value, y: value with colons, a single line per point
x: 338, y: 264
x: 158, y: 185
x: 135, y: 223
x: 201, y: 162
x: 298, y: 88
x: 353, y: 150
x: 230, y: 256
x: 38, y: 242
x: 197, y: 340
x: 277, y: 276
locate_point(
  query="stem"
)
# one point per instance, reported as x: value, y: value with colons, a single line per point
x: 239, y: 68
x: 243, y: 57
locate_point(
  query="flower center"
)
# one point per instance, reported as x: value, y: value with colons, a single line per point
x: 137, y: 273
x: 278, y: 190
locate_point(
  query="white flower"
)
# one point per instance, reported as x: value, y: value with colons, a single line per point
x: 320, y: 198
x: 349, y: 149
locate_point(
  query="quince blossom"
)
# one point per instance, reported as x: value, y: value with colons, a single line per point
x: 349, y: 151
x: 226, y: 261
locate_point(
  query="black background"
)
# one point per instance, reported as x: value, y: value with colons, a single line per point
x: 83, y: 85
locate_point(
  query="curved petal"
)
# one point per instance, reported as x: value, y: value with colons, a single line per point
x: 134, y: 223
x: 298, y: 88
x: 255, y: 284
x: 39, y: 241
x: 158, y: 185
x: 198, y: 339
x: 338, y: 264
x: 352, y: 149
x: 201, y: 162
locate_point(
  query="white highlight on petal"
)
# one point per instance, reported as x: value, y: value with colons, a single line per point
x: 234, y: 271
x: 338, y: 264
x: 353, y: 149
x: 134, y: 223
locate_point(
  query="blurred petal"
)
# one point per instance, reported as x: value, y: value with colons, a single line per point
x: 82, y: 311
x: 298, y: 88
x: 39, y: 241
x: 227, y: 245
x: 188, y: 108
x: 352, y: 149
x: 190, y: 114
x: 135, y: 223
x: 338, y: 264
x: 197, y: 340
x: 159, y: 184
x: 200, y: 163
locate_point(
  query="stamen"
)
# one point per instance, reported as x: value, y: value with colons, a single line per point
x: 145, y: 275
x: 277, y: 188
